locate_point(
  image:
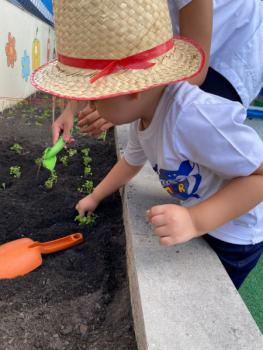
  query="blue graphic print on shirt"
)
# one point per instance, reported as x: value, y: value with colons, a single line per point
x: 182, y: 183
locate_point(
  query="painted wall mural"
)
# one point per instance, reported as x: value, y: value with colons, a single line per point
x: 25, y: 66
x: 10, y: 50
x: 25, y: 44
x: 35, y: 52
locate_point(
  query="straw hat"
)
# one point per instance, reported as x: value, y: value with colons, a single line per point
x: 112, y: 47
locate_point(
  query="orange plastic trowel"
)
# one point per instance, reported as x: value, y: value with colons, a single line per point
x: 19, y: 257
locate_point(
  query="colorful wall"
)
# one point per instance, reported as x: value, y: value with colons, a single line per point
x: 25, y: 43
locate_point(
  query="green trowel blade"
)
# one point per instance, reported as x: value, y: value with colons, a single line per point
x: 49, y: 158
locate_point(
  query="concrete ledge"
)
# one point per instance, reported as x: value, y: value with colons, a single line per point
x: 182, y: 298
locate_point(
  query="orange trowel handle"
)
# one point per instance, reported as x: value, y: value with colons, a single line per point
x: 59, y: 244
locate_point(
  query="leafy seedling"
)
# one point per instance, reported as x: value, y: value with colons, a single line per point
x: 86, y: 220
x: 51, y: 180
x: 15, y: 171
x: 87, y: 170
x: 17, y: 148
x: 64, y: 160
x: 72, y: 152
x: 38, y: 161
x: 87, y: 187
x: 85, y: 151
x: 102, y: 136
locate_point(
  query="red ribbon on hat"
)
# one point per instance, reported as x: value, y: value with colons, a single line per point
x: 137, y: 61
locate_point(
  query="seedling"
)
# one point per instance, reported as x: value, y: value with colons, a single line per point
x: 86, y: 220
x: 38, y: 161
x: 72, y: 152
x: 64, y: 160
x: 102, y: 136
x: 16, y: 148
x: 85, y: 151
x: 87, y: 170
x: 87, y: 187
x: 51, y: 180
x: 3, y: 186
x: 15, y: 171
x: 86, y: 158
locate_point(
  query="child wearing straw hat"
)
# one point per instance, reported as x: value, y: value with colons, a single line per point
x: 122, y: 57
x: 230, y: 32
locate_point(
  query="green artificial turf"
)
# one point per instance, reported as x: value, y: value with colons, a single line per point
x: 251, y: 292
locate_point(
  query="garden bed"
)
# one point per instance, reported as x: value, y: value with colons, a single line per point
x: 78, y: 298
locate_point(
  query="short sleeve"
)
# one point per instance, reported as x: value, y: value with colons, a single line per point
x: 134, y: 153
x: 215, y: 136
x: 179, y: 4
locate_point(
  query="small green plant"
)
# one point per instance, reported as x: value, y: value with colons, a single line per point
x: 86, y: 220
x: 16, y: 148
x: 87, y: 170
x: 85, y: 151
x: 72, y: 152
x: 15, y: 171
x: 64, y: 160
x: 86, y: 158
x: 38, y: 161
x: 87, y: 187
x: 3, y: 186
x: 51, y: 180
x: 86, y: 161
x: 102, y: 136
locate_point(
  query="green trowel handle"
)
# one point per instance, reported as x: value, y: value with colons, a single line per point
x: 58, y: 146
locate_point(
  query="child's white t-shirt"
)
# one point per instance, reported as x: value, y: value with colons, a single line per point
x: 237, y: 42
x: 197, y: 143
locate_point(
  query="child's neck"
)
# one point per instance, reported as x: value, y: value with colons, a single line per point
x: 150, y: 103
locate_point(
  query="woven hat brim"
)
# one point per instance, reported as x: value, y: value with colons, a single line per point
x: 182, y: 62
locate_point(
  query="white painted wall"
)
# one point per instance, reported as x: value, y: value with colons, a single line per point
x: 24, y: 27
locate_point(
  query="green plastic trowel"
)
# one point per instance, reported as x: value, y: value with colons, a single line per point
x: 49, y: 158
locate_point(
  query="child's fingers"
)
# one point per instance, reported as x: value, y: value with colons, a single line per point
x: 157, y: 220
x: 106, y: 126
x: 166, y: 240
x: 55, y: 134
x: 86, y: 111
x: 156, y: 210
x: 80, y: 210
x: 87, y: 118
x: 94, y: 128
x: 66, y: 136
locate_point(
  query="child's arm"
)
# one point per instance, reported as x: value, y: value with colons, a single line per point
x: 235, y: 199
x: 175, y: 224
x: 118, y: 176
x: 195, y: 22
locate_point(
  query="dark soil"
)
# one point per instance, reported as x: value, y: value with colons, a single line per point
x: 78, y: 298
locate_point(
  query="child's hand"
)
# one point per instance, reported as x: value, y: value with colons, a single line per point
x: 172, y: 223
x: 64, y: 123
x: 90, y: 122
x: 87, y: 205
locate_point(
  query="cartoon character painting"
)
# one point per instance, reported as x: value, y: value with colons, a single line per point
x: 182, y: 183
x: 10, y: 50
x: 35, y: 52
x: 25, y: 64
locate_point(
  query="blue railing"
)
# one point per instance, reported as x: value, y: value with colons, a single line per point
x: 256, y: 111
